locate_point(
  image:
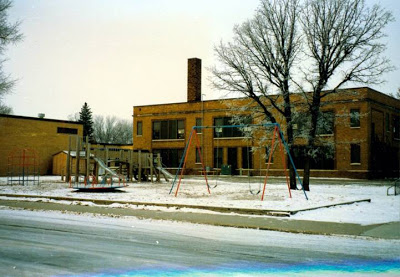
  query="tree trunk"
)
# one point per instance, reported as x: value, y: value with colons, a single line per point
x: 292, y: 175
x: 306, y: 175
x: 289, y: 132
x: 314, y: 110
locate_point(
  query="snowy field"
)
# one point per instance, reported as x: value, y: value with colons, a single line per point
x: 235, y: 193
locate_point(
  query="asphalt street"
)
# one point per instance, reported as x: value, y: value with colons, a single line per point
x: 56, y: 244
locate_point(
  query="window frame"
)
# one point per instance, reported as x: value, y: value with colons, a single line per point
x: 387, y: 122
x: 168, y: 129
x: 355, y: 147
x: 396, y: 127
x: 247, y: 160
x: 321, y: 131
x: 218, y: 157
x: 67, y: 131
x: 357, y: 123
x: 200, y: 130
x: 267, y: 152
x: 231, y: 132
x: 139, y: 123
x: 170, y: 157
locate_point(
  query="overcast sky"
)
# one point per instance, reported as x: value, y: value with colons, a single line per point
x: 116, y: 54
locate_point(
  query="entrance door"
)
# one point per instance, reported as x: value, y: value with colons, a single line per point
x: 232, y: 159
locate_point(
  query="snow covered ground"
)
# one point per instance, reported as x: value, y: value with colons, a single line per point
x: 235, y: 193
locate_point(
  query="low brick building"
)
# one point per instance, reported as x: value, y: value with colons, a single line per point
x: 45, y: 137
x: 363, y: 133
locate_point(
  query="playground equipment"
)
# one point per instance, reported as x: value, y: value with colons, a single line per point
x: 277, y: 139
x: 23, y: 167
x: 109, y: 167
x: 394, y: 189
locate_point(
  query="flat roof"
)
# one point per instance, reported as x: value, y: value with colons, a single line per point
x: 242, y: 97
x: 40, y: 119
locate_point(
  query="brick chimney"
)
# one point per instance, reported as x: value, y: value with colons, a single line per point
x: 194, y: 80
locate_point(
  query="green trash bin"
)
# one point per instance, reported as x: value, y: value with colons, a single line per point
x: 226, y: 169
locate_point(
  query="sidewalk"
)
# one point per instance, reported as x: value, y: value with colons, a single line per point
x: 239, y: 218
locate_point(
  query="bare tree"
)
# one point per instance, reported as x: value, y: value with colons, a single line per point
x: 74, y: 117
x: 343, y: 43
x: 396, y: 94
x: 314, y: 47
x: 110, y: 129
x: 9, y: 33
x: 259, y: 62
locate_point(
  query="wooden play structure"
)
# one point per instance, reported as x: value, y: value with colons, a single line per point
x: 95, y: 168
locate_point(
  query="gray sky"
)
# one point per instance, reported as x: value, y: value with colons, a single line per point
x: 116, y: 54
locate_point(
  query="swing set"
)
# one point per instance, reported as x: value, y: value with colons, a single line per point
x: 277, y: 139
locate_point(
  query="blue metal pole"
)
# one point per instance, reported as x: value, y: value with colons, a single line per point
x: 291, y: 160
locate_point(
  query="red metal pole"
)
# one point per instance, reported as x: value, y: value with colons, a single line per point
x: 284, y: 163
x: 202, y: 163
x: 184, y: 164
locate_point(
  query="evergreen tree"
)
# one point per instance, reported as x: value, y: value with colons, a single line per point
x: 85, y: 117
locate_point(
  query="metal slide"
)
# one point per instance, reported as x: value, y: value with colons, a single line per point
x: 106, y: 168
x: 165, y: 172
x: 91, y: 182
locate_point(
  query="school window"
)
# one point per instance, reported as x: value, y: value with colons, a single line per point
x: 354, y: 118
x: 396, y: 127
x: 169, y: 157
x: 300, y: 124
x: 326, y: 123
x: 139, y: 128
x: 267, y: 153
x: 218, y: 155
x: 228, y: 132
x: 63, y: 130
x: 355, y: 153
x: 323, y: 158
x: 199, y: 122
x: 247, y: 158
x: 387, y: 123
x: 168, y: 129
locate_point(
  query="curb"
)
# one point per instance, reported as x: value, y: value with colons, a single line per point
x: 382, y: 231
x: 243, y: 211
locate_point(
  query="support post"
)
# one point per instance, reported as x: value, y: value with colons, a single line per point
x: 87, y: 158
x: 140, y: 166
x: 130, y: 165
x: 68, y: 165
x: 106, y: 159
x: 77, y: 154
x: 151, y: 167
x: 159, y: 166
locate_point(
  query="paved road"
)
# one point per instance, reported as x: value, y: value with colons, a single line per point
x: 52, y: 243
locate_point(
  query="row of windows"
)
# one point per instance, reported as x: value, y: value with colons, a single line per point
x: 175, y: 129
x: 324, y: 157
x: 231, y: 132
x: 168, y: 129
x: 326, y: 122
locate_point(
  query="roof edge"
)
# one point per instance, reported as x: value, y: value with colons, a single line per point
x: 39, y: 119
